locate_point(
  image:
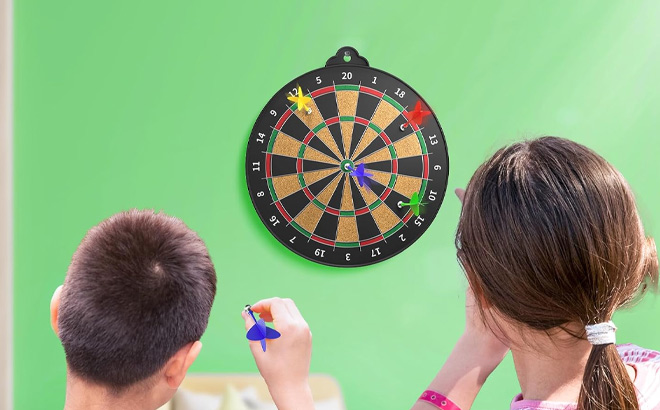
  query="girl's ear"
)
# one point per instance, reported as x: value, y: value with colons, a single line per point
x: 55, y: 308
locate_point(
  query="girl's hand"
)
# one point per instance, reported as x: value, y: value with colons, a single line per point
x: 486, y: 328
x: 478, y: 326
x: 460, y: 193
x: 285, y: 363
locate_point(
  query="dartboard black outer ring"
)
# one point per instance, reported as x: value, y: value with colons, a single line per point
x: 308, y: 248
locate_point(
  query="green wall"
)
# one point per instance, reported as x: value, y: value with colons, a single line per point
x: 148, y: 104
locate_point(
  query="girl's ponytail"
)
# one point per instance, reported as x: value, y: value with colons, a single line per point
x: 552, y: 237
x: 606, y: 384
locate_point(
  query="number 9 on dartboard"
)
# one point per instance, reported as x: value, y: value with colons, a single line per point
x: 347, y: 165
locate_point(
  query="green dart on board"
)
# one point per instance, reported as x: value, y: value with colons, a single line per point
x: 414, y: 203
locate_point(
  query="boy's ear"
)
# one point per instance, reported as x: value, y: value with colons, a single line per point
x: 178, y: 365
x: 55, y: 308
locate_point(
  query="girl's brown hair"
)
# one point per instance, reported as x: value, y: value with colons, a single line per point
x: 550, y: 235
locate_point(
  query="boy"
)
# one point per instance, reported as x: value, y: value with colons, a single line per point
x: 135, y: 302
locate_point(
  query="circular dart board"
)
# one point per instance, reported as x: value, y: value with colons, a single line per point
x: 347, y: 165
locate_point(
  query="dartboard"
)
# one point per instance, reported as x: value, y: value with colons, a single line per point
x: 347, y: 165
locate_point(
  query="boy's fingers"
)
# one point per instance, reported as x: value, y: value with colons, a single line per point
x: 248, y: 320
x: 460, y: 193
x: 266, y: 317
x: 293, y: 309
x: 263, y: 305
x: 276, y: 308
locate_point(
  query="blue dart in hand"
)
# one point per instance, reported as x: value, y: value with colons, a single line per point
x: 260, y: 331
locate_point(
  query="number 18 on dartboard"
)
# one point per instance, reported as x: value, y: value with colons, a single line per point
x: 347, y: 165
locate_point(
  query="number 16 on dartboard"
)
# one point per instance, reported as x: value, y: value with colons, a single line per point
x: 347, y: 165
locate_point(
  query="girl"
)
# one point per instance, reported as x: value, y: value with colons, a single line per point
x: 552, y: 244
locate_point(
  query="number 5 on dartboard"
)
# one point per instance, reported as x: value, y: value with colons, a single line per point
x: 354, y: 168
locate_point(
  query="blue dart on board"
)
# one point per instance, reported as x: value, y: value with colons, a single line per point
x: 260, y: 332
x: 361, y: 175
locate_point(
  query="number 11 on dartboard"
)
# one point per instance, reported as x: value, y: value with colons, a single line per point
x: 347, y: 165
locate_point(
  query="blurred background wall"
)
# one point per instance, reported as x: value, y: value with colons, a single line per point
x: 6, y: 199
x: 149, y: 104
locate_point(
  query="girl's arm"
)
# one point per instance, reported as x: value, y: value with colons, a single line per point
x: 465, y: 371
x: 474, y: 357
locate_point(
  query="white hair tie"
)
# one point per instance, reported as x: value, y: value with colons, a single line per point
x: 601, y: 333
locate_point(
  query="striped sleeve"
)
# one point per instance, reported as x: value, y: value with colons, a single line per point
x: 647, y: 380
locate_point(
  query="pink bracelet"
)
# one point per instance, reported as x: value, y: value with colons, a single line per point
x: 438, y: 400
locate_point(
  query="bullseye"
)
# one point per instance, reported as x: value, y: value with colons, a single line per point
x: 347, y: 166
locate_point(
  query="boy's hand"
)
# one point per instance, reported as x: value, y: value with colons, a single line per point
x: 285, y: 363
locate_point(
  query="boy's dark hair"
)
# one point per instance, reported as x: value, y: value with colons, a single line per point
x: 140, y: 287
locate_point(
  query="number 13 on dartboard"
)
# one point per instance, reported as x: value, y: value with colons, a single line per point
x: 347, y: 165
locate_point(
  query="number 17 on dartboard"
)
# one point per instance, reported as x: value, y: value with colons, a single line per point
x: 347, y: 165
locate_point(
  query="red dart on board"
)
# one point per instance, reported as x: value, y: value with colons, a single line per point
x: 415, y: 116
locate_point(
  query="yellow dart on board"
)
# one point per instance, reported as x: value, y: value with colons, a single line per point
x: 301, y: 100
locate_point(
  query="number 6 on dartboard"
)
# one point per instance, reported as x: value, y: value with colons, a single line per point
x: 354, y: 159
